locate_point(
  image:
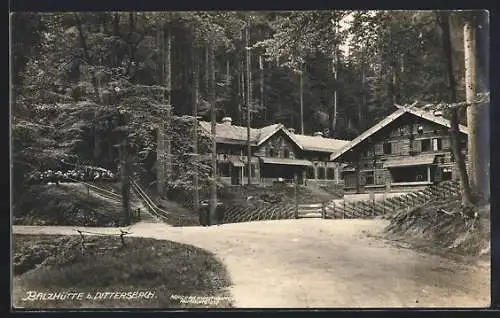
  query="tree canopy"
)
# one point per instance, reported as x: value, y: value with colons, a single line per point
x: 84, y: 81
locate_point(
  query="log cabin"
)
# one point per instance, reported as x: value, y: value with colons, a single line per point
x: 278, y: 155
x: 406, y: 151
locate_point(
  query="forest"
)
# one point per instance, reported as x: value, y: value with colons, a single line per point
x: 91, y: 87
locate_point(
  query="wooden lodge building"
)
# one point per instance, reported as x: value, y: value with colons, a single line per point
x: 278, y: 154
x: 408, y: 149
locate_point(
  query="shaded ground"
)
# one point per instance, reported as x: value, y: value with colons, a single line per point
x: 325, y: 263
x: 444, y: 227
x: 65, y: 204
x: 164, y: 268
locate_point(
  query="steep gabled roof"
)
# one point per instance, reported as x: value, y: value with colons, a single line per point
x: 389, y: 119
x: 238, y: 134
x: 431, y: 117
x: 232, y: 134
x: 313, y: 143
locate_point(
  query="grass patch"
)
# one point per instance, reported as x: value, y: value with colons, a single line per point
x: 49, y: 264
x: 63, y: 205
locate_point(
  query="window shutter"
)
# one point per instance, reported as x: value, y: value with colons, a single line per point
x: 395, y: 148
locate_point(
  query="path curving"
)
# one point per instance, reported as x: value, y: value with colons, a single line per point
x: 321, y: 263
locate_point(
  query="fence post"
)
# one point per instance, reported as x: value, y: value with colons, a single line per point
x: 295, y: 193
x: 82, y: 243
x: 333, y: 208
x: 343, y: 211
x: 121, y: 238
x: 323, y: 210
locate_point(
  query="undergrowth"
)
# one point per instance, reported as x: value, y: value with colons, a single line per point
x: 444, y: 227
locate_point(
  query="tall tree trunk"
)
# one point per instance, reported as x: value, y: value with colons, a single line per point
x: 168, y: 112
x: 116, y: 24
x: 483, y: 134
x: 249, y: 94
x: 261, y: 67
x: 196, y: 197
x: 160, y: 138
x: 207, y: 72
x: 333, y: 118
x: 362, y: 105
x: 394, y: 88
x: 213, y: 184
x: 242, y: 90
x: 472, y: 113
x: 301, y: 93
x: 454, y: 130
x: 125, y: 180
x: 334, y: 65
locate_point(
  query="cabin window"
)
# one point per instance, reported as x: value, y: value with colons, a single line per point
x: 369, y: 177
x: 310, y: 173
x: 321, y: 173
x: 224, y: 169
x: 426, y: 145
x: 387, y: 148
x: 330, y: 173
x: 437, y: 144
x: 245, y: 170
x: 272, y: 152
x: 286, y: 153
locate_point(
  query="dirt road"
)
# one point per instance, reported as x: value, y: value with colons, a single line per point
x: 322, y: 263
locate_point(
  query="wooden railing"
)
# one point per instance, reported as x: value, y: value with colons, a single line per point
x: 85, y: 245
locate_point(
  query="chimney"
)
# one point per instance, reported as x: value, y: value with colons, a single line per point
x: 291, y: 130
x: 318, y: 134
x: 227, y: 121
x: 438, y: 113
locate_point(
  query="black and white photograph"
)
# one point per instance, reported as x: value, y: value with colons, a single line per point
x: 250, y: 159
